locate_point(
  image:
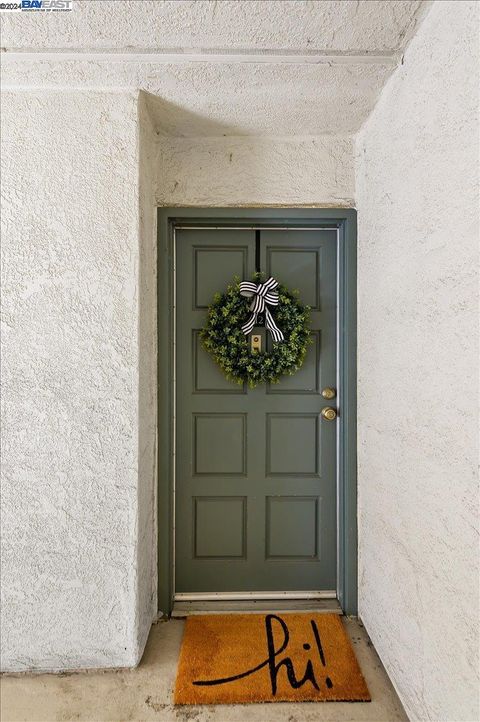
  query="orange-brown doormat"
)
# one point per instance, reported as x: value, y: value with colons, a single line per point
x: 239, y: 658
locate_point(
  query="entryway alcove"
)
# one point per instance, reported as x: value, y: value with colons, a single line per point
x: 253, y: 111
x: 223, y: 169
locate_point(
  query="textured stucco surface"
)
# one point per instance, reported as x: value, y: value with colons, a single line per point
x: 220, y: 68
x: 417, y: 186
x: 146, y: 603
x: 70, y: 376
x: 371, y: 25
x: 255, y: 171
x: 225, y: 98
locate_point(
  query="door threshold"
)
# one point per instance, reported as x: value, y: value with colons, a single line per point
x: 186, y: 609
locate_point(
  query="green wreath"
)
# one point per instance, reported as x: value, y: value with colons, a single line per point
x: 223, y: 338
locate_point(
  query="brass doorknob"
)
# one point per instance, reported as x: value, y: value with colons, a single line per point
x: 329, y: 393
x: 329, y: 413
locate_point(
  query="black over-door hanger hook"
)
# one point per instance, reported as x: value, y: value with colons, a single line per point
x: 260, y: 317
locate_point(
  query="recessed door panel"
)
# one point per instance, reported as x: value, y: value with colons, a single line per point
x: 292, y: 527
x: 293, y: 445
x: 255, y: 482
x: 219, y: 444
x: 219, y: 527
x: 211, y: 265
x: 299, y: 268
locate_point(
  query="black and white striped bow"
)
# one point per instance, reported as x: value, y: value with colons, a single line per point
x: 263, y: 294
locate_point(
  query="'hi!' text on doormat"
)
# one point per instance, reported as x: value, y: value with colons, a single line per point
x: 239, y: 658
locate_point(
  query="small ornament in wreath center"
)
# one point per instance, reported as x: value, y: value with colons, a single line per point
x: 234, y: 316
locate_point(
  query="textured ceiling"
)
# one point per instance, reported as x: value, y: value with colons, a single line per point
x: 294, y: 25
x: 220, y: 68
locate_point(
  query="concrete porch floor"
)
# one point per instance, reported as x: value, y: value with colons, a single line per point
x: 145, y: 693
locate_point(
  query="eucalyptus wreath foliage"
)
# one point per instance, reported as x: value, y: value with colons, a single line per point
x: 224, y: 339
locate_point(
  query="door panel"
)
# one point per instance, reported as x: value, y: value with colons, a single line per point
x: 255, y: 468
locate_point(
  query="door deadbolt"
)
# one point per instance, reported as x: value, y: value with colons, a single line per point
x: 328, y: 393
x: 329, y: 413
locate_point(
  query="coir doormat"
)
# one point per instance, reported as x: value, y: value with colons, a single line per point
x: 239, y: 658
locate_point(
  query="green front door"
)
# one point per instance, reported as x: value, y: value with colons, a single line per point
x: 255, y: 470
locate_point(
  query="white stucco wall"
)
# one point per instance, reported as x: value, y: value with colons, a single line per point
x: 73, y: 470
x: 373, y: 25
x: 417, y: 186
x: 249, y: 171
x: 221, y: 97
x: 146, y: 549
